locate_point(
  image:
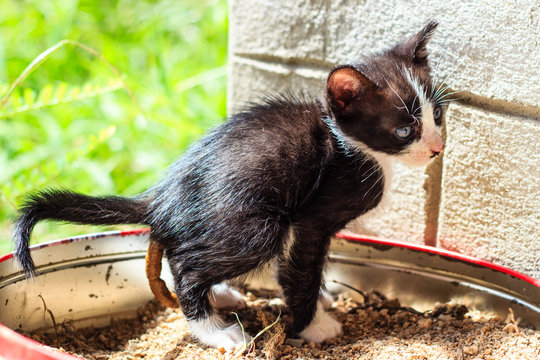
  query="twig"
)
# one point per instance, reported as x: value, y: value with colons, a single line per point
x: 251, y: 344
x: 45, y: 311
x: 352, y: 288
x: 241, y: 326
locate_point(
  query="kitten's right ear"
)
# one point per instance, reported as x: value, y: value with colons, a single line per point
x: 344, y: 84
x: 415, y: 47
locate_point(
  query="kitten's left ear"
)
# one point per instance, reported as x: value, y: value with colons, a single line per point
x: 344, y: 84
x: 416, y: 45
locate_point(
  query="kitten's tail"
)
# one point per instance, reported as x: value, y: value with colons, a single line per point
x: 68, y: 206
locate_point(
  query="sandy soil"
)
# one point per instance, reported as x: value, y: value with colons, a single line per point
x: 377, y: 329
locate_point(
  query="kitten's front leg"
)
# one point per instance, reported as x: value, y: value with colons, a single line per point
x: 322, y: 327
x: 326, y: 299
x: 300, y: 277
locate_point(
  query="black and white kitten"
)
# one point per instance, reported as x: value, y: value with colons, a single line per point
x: 274, y: 183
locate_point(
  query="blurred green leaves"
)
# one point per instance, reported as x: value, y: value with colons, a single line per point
x: 51, y: 95
x: 72, y: 124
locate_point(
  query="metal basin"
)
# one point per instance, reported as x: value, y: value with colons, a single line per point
x: 93, y: 278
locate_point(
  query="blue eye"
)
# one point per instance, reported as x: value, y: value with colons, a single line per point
x: 437, y: 113
x: 404, y: 132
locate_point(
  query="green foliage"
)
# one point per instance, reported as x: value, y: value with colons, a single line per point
x: 71, y: 123
x: 51, y: 95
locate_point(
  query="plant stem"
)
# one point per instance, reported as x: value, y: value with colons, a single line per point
x: 47, y: 53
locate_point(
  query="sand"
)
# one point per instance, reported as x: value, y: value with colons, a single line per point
x: 379, y: 328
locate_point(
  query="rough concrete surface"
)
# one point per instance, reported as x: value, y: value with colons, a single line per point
x: 286, y: 29
x: 249, y: 81
x: 491, y: 193
x: 490, y: 48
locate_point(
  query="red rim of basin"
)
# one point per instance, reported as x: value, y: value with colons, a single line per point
x: 16, y: 346
x: 438, y: 251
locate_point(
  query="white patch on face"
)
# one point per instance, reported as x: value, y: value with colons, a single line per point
x: 222, y: 296
x: 322, y: 327
x: 213, y: 331
x: 421, y: 152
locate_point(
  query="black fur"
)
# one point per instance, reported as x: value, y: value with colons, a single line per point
x: 238, y: 191
x: 227, y: 205
x: 64, y: 205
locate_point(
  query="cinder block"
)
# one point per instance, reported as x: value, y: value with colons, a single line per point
x: 490, y: 48
x: 490, y: 201
x: 285, y: 29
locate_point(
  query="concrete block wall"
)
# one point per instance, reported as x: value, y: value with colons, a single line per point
x: 483, y: 197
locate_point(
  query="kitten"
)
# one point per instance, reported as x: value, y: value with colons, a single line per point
x: 274, y: 183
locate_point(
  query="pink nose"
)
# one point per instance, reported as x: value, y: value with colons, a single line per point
x: 435, y: 144
x: 437, y: 148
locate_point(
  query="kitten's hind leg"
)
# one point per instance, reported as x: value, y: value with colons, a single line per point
x: 222, y: 296
x: 199, y: 265
x: 300, y: 277
x: 208, y: 327
x: 213, y: 331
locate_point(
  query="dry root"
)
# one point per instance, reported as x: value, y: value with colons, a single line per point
x: 511, y: 322
x: 153, y: 272
x: 276, y: 337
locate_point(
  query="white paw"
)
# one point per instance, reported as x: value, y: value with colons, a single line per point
x: 326, y: 299
x: 322, y: 327
x: 221, y: 296
x: 213, y: 332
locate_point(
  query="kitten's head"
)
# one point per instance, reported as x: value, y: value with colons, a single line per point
x: 387, y: 104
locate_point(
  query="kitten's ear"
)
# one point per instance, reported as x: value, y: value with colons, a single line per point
x: 416, y: 45
x: 344, y: 84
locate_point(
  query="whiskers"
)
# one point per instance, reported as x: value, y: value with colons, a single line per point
x: 416, y: 120
x: 441, y: 93
x: 379, y: 180
x: 399, y: 97
x: 374, y: 169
